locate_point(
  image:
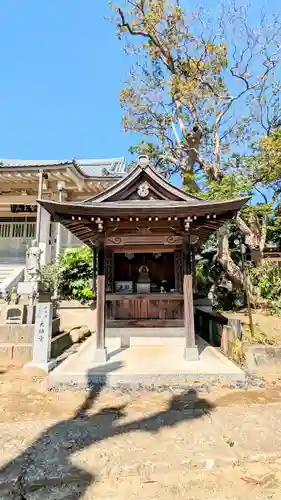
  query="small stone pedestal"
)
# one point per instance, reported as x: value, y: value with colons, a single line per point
x: 100, y: 355
x: 191, y: 353
x: 191, y: 350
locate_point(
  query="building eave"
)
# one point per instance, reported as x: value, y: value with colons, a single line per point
x: 143, y: 209
x: 57, y: 166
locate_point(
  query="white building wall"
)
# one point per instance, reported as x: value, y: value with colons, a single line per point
x: 15, y: 238
x: 68, y: 240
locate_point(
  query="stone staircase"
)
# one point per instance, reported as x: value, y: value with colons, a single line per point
x: 10, y: 274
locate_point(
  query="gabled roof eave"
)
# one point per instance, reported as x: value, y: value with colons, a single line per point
x: 132, y: 176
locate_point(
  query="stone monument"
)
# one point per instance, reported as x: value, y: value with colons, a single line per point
x: 43, y: 309
x: 42, y: 341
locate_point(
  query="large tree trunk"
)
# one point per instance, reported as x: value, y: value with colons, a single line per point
x: 233, y: 272
x: 255, y: 234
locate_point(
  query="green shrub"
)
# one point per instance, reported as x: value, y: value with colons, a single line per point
x: 72, y: 276
x: 267, y: 280
x: 51, y: 276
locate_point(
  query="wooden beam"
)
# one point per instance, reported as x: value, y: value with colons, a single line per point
x: 144, y: 248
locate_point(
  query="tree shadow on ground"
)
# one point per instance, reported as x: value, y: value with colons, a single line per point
x: 50, y: 456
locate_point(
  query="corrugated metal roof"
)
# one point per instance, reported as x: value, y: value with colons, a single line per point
x: 88, y: 167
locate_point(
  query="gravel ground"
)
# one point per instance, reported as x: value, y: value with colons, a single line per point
x: 184, y: 443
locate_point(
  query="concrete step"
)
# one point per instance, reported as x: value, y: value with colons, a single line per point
x: 7, y: 269
x: 5, y: 273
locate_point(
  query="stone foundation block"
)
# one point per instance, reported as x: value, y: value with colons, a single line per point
x: 6, y: 353
x: 16, y: 334
x: 191, y: 353
x: 22, y: 354
x: 100, y: 355
x: 22, y: 334
x: 260, y: 357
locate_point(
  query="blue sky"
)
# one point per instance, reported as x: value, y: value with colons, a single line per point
x: 62, y: 68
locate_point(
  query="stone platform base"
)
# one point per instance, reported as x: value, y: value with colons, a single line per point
x: 160, y: 363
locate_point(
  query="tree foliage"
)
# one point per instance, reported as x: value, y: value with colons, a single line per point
x: 204, y: 93
x: 199, y: 80
x: 267, y: 278
x: 72, y: 276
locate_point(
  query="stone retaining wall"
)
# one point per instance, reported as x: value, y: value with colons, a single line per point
x: 74, y: 318
x: 16, y: 343
x: 73, y: 314
x: 66, y: 339
x: 260, y: 357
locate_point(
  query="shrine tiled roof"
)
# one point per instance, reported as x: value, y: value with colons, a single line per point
x: 143, y: 197
x: 87, y: 167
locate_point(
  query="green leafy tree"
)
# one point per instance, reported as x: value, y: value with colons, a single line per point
x: 267, y: 279
x: 203, y: 89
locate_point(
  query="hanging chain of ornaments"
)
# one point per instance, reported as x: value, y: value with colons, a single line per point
x: 129, y: 256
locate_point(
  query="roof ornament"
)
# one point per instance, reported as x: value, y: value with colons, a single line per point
x: 143, y: 189
x: 143, y: 161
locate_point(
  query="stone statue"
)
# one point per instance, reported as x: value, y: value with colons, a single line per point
x: 33, y: 262
x: 144, y: 275
x: 143, y: 283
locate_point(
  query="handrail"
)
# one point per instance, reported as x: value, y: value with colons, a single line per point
x: 210, y: 324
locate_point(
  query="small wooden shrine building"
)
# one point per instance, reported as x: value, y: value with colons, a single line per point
x: 144, y: 231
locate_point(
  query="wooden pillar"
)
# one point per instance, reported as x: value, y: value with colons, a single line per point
x: 109, y: 271
x: 100, y: 352
x: 179, y: 266
x: 94, y: 270
x: 191, y: 350
x: 193, y: 268
x: 100, y: 259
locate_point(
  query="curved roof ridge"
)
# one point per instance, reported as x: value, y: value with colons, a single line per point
x: 143, y: 165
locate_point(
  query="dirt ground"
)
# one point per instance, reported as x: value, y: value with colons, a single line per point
x: 253, y: 481
x: 25, y: 404
x: 23, y: 396
x: 264, y: 323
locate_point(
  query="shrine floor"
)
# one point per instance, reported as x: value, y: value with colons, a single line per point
x: 150, y: 360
